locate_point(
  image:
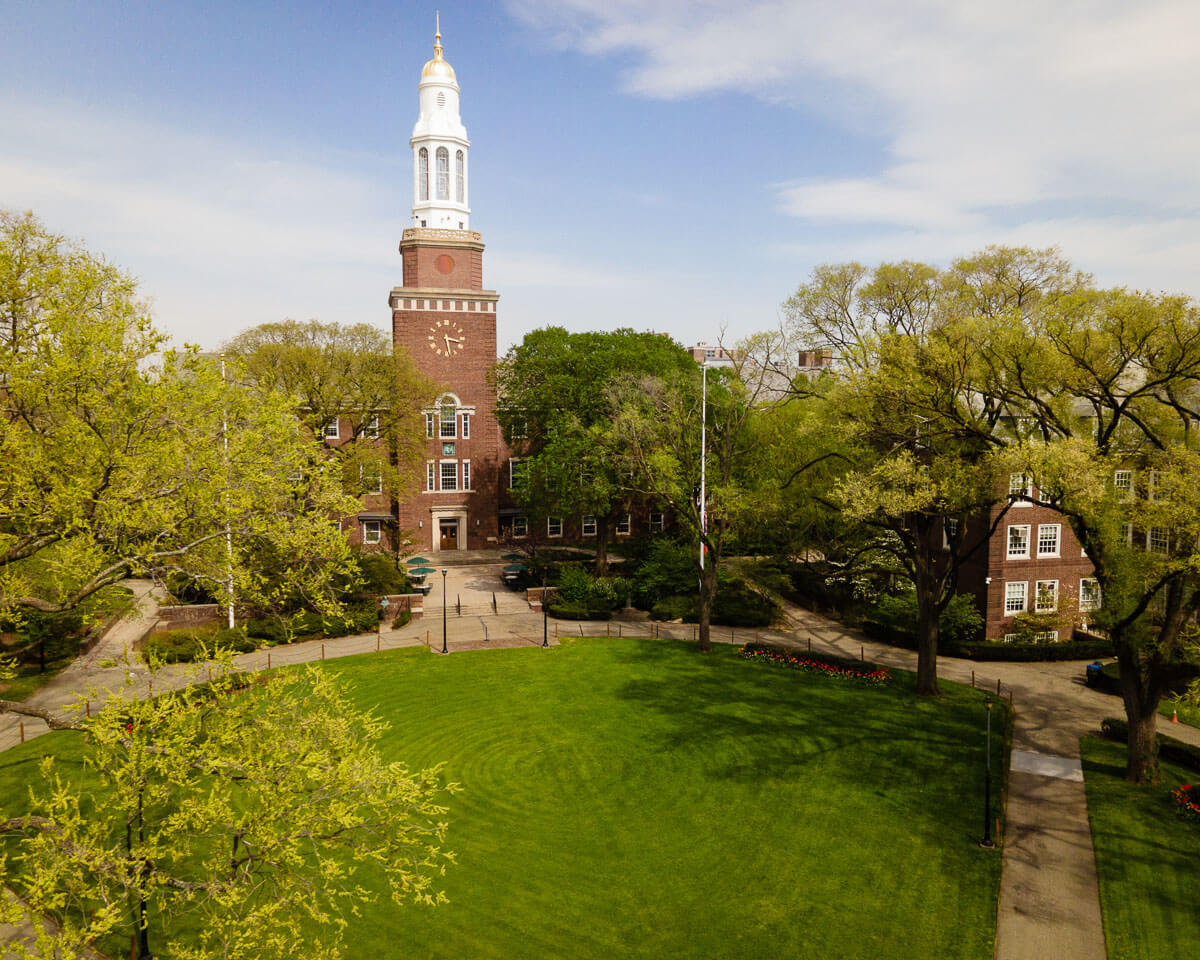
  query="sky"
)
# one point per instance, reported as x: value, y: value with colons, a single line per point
x: 671, y: 166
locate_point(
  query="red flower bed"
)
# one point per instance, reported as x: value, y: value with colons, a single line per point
x: 1187, y: 801
x: 875, y: 677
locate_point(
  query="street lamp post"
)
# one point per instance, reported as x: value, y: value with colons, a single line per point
x: 444, y: 650
x: 987, y: 783
x: 545, y: 614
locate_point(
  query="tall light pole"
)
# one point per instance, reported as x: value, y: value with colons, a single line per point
x: 703, y: 494
x: 545, y: 614
x: 228, y: 528
x: 987, y: 783
x: 444, y: 650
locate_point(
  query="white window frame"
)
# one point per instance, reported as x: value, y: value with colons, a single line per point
x: 1152, y: 483
x: 1123, y: 480
x: 1008, y: 541
x: 466, y: 425
x: 430, y: 476
x: 364, y: 478
x: 430, y: 426
x: 466, y: 474
x: 442, y: 163
x: 372, y: 531
x: 450, y: 421
x: 1051, y: 606
x: 520, y: 527
x: 949, y: 529
x: 588, y: 527
x: 443, y: 464
x: 1056, y: 549
x: 554, y: 527
x: 423, y: 174
x: 1011, y: 637
x: 1046, y: 636
x: 336, y: 434
x: 1161, y: 534
x: 460, y: 178
x: 512, y: 471
x: 625, y: 526
x: 1016, y: 591
x: 1089, y: 585
x: 371, y: 428
x: 656, y: 522
x: 1020, y: 485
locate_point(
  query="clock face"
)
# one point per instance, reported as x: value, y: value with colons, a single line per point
x: 446, y: 338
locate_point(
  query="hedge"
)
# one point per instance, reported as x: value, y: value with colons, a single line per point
x: 1012, y: 652
x: 1169, y: 749
x: 184, y: 646
x: 578, y: 611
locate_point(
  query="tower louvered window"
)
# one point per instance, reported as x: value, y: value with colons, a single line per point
x: 423, y: 174
x: 460, y: 187
x: 443, y: 173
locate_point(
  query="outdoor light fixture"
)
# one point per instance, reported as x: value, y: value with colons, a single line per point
x: 545, y: 613
x: 444, y: 650
x: 987, y: 841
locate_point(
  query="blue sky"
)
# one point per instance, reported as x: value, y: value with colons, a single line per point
x: 676, y: 166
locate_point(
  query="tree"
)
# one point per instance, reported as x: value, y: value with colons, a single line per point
x: 352, y: 374
x: 919, y: 402
x: 122, y: 458
x: 244, y: 810
x: 1107, y: 384
x: 657, y: 440
x: 554, y: 408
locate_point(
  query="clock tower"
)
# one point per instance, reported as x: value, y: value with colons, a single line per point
x: 445, y: 319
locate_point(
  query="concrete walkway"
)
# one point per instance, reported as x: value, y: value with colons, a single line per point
x: 1049, y: 900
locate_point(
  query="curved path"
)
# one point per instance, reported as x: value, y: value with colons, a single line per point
x: 1049, y: 901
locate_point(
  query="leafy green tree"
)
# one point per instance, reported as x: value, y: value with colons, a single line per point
x: 554, y: 408
x: 352, y: 373
x: 1105, y: 384
x: 230, y: 819
x: 121, y: 458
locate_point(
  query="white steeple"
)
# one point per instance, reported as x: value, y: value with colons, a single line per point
x: 440, y: 145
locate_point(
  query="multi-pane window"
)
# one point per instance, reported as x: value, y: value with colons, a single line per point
x: 466, y: 474
x: 1123, y: 481
x: 372, y: 478
x: 447, y: 418
x: 430, y: 425
x: 1089, y: 593
x: 1158, y: 539
x: 331, y: 429
x: 1020, y: 485
x: 423, y: 174
x: 624, y: 525
x: 1018, y: 541
x: 430, y: 476
x: 460, y: 163
x: 656, y: 522
x: 516, y: 473
x: 1046, y: 636
x: 589, y: 526
x: 1015, y: 596
x: 949, y: 532
x: 1048, y: 535
x: 450, y: 475
x: 1154, y: 485
x: 371, y: 428
x: 443, y: 173
x: 1011, y: 637
x: 466, y: 426
x: 520, y: 527
x: 372, y: 531
x: 554, y: 526
x: 1045, y: 596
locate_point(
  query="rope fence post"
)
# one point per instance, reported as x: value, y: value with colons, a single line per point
x: 322, y: 651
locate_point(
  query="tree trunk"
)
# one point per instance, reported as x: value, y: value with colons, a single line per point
x: 927, y: 642
x: 602, y: 546
x: 708, y: 590
x: 1141, y: 711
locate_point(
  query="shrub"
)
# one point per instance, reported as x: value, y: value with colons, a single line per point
x: 574, y: 584
x: 403, y: 619
x: 737, y: 604
x: 983, y: 650
x: 578, y: 611
x: 184, y: 646
x: 667, y: 571
x: 1169, y: 749
x: 673, y: 608
x: 1187, y: 801
x: 960, y: 622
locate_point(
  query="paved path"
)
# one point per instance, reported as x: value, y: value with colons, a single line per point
x: 1049, y: 901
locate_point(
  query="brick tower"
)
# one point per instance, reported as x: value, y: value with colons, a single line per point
x: 447, y: 322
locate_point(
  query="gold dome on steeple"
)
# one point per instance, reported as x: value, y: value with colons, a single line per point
x: 437, y: 68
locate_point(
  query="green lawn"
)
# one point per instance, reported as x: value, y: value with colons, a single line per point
x: 1147, y: 859
x: 629, y: 798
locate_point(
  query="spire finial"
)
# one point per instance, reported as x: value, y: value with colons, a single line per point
x: 437, y: 37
